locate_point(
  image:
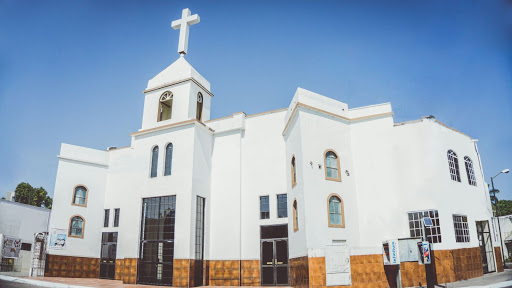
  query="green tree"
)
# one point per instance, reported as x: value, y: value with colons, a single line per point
x: 27, y: 194
x: 504, y: 207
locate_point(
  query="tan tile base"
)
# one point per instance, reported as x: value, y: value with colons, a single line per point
x: 499, y: 259
x: 72, y: 267
x: 224, y: 272
x: 299, y: 273
x: 250, y: 273
x: 369, y: 270
x: 126, y: 270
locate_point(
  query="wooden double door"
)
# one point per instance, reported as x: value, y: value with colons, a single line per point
x: 274, y: 255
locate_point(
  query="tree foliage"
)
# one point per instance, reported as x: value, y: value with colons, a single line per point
x: 504, y: 207
x: 27, y: 194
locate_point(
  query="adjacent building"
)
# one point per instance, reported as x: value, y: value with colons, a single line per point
x: 21, y: 222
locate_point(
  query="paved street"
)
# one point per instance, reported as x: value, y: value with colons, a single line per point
x: 9, y: 284
x: 488, y: 279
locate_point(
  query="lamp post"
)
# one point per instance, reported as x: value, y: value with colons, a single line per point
x: 497, y: 214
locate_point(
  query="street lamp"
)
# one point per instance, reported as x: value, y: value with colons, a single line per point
x: 505, y: 171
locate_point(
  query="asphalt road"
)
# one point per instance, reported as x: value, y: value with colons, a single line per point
x: 10, y: 284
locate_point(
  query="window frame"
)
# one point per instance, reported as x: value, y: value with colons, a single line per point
x: 117, y: 215
x: 470, y: 174
x: 159, y: 112
x: 277, y: 205
x: 74, y: 194
x: 412, y: 230
x: 166, y: 157
x: 295, y: 208
x: 338, y: 179
x: 456, y: 167
x: 466, y: 238
x: 106, y: 218
x: 268, y: 205
x: 342, y: 210
x: 152, y: 160
x: 199, y: 105
x: 293, y: 165
x: 83, y: 226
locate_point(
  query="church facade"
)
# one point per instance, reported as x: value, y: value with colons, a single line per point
x: 301, y: 196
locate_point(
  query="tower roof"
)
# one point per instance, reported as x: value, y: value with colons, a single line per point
x: 178, y: 71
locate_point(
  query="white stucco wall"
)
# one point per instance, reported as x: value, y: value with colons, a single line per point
x: 387, y: 170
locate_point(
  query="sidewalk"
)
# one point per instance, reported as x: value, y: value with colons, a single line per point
x: 500, y: 280
x: 493, y: 280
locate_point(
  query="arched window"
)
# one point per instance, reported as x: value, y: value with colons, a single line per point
x: 453, y: 163
x: 469, y: 171
x: 294, y: 172
x: 80, y: 196
x: 295, y: 216
x: 168, y: 159
x: 332, y: 166
x: 199, y: 108
x: 335, y: 209
x: 154, y: 162
x: 165, y: 106
x: 76, y: 226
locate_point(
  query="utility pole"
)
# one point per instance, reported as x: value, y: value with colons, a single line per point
x: 496, y: 214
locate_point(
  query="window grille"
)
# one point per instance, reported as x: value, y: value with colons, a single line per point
x: 415, y: 225
x: 460, y: 224
x: 469, y: 171
x: 282, y: 206
x: 264, y: 207
x: 453, y: 163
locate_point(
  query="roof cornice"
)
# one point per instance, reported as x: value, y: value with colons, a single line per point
x: 349, y: 120
x: 169, y: 126
x: 178, y: 82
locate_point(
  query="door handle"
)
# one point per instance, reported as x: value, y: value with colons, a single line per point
x: 270, y: 263
x: 278, y: 263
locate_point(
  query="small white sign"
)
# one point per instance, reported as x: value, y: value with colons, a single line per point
x: 58, y: 238
x: 391, y: 252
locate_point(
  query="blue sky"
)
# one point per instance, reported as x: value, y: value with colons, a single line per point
x: 74, y: 71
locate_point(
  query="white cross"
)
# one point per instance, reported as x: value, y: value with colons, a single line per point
x: 183, y: 24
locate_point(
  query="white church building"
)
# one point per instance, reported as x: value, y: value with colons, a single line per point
x: 301, y: 196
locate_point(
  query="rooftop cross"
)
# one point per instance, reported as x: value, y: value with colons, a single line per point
x: 183, y: 24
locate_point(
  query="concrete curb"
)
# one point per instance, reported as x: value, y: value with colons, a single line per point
x: 497, y: 285
x: 39, y: 283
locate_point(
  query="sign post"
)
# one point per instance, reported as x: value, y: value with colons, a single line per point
x: 426, y: 250
x: 391, y: 256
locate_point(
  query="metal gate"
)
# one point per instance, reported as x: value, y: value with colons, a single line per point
x: 39, y: 255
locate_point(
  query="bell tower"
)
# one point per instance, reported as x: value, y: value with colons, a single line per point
x: 178, y: 93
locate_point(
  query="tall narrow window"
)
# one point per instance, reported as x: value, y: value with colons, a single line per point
x: 154, y: 161
x: 80, y: 196
x: 168, y: 159
x: 116, y: 217
x: 199, y: 110
x: 453, y: 163
x: 156, y: 253
x: 336, y: 215
x: 264, y: 208
x: 198, y: 270
x: 282, y: 206
x: 165, y: 106
x: 76, y: 227
x: 332, y: 166
x: 295, y: 216
x: 106, y: 218
x: 469, y: 171
x: 294, y: 172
